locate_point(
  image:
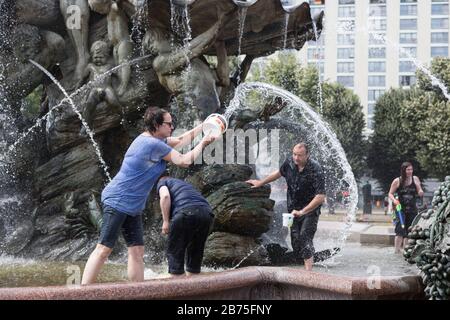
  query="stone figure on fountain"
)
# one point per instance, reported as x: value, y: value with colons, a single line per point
x: 185, y: 73
x: 76, y: 15
x: 118, y: 35
x: 103, y: 91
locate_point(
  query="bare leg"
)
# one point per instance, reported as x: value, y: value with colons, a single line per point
x: 94, y: 98
x: 123, y: 54
x: 309, y: 264
x: 136, y: 263
x: 111, y: 98
x: 95, y: 263
x: 398, y: 244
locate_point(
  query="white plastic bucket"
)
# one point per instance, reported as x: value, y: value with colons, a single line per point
x: 215, y: 125
x: 288, y: 219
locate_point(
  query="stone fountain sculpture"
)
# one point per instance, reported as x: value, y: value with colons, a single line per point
x: 429, y: 244
x: 58, y: 36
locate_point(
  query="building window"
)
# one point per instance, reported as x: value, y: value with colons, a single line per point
x: 408, y: 24
x: 377, y: 1
x: 408, y: 10
x: 377, y: 53
x: 439, y: 23
x: 375, y: 94
x: 407, y: 66
x: 408, y: 1
x: 345, y: 12
x: 316, y: 53
x: 439, y: 37
x: 345, y: 67
x: 377, y: 38
x: 345, y: 53
x: 346, y: 81
x: 407, y: 81
x: 408, y: 37
x: 439, y: 51
x: 346, y: 39
x: 439, y: 9
x: 370, y: 122
x: 377, y: 66
x: 346, y: 1
x: 377, y: 24
x: 408, y: 52
x: 370, y: 109
x: 377, y: 11
x: 377, y: 81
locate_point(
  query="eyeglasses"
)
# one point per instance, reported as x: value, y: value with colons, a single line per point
x: 169, y: 123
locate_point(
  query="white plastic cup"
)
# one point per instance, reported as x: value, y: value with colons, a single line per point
x: 215, y: 125
x: 288, y: 219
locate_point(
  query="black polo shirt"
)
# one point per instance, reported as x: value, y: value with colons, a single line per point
x: 302, y: 186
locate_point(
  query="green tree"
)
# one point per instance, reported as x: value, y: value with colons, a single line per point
x: 426, y: 116
x: 393, y: 141
x: 283, y: 71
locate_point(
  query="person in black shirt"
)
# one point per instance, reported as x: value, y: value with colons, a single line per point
x: 407, y: 187
x: 305, y: 195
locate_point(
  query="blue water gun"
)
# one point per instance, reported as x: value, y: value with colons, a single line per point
x: 398, y: 209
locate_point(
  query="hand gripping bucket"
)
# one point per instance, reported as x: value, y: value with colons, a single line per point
x: 215, y: 125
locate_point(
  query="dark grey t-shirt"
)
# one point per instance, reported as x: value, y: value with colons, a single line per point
x: 182, y: 195
x: 302, y: 186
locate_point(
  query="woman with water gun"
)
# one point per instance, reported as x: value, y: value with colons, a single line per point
x: 403, y: 193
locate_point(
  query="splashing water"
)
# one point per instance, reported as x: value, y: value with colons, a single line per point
x: 319, y: 48
x: 299, y: 120
x: 286, y: 23
x: 80, y: 90
x: 83, y: 122
x: 181, y: 27
x: 242, y: 16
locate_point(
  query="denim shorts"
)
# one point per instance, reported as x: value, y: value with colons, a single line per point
x: 115, y: 221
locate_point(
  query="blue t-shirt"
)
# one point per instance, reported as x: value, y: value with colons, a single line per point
x: 182, y: 195
x: 142, y: 165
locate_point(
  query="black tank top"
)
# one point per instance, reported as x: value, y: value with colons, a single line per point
x: 407, y: 197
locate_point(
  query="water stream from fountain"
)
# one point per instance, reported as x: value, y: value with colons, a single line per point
x: 286, y: 23
x: 80, y: 116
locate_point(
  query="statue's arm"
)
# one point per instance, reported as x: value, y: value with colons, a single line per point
x: 127, y: 7
x: 223, y: 69
x: 197, y: 47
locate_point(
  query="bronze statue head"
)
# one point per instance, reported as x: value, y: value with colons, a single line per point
x: 99, y: 52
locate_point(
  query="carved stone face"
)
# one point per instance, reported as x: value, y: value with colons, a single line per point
x: 100, y: 6
x: 99, y: 53
x: 155, y: 41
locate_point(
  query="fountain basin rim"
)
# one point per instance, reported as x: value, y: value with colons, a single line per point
x: 207, y: 286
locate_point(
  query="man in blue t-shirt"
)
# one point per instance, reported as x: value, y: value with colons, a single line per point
x: 187, y: 217
x: 124, y: 198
